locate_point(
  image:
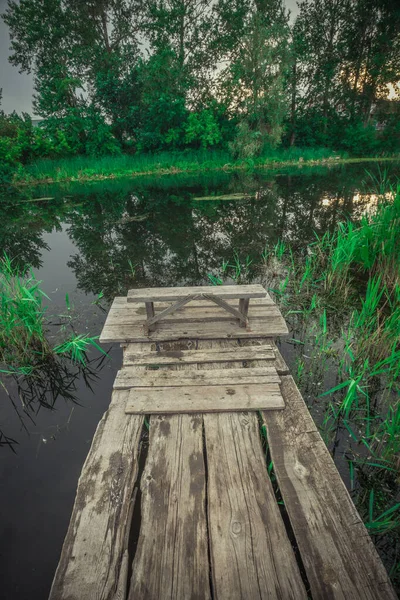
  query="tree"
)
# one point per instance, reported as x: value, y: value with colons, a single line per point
x: 319, y: 37
x: 255, y: 80
x: 75, y: 49
x: 185, y: 30
x: 372, y: 60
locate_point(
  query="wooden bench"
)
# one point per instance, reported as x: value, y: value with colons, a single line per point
x: 182, y: 295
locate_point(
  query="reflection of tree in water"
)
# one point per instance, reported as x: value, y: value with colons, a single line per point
x: 173, y: 239
x: 156, y: 226
x: 22, y: 224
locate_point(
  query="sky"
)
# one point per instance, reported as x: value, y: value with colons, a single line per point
x: 17, y: 87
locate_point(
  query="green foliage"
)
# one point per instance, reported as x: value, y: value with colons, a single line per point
x: 202, y: 129
x: 361, y: 139
x: 131, y: 77
x: 22, y: 331
x: 24, y: 346
x: 86, y: 168
x: 256, y: 81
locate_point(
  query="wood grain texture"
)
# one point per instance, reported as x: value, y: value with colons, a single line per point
x: 170, y: 294
x: 279, y: 363
x: 171, y: 560
x: 227, y: 307
x: 192, y: 399
x: 172, y: 308
x: 245, y: 526
x: 244, y: 308
x: 128, y: 378
x: 94, y: 546
x: 216, y: 354
x: 135, y: 314
x: 250, y: 552
x: 121, y: 303
x: 131, y: 313
x: 220, y: 329
x: 337, y: 552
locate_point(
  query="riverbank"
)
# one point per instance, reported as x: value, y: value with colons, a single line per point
x: 85, y: 169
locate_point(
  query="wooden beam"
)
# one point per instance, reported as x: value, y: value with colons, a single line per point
x: 171, y: 294
x: 244, y: 308
x: 130, y: 378
x: 149, y: 309
x: 211, y: 355
x: 197, y: 399
x: 221, y: 329
x: 251, y: 555
x: 171, y: 560
x: 94, y: 546
x: 226, y: 306
x: 339, y: 557
x: 168, y: 311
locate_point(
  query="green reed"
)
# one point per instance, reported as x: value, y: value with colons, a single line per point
x: 85, y: 168
x: 24, y: 341
x: 342, y: 300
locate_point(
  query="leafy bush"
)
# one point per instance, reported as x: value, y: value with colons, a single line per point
x: 360, y: 140
x: 202, y: 129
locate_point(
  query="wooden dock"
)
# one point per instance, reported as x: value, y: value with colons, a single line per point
x: 193, y: 513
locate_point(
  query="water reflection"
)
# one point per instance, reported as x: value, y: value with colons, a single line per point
x: 136, y: 232
x: 156, y: 232
x: 56, y: 378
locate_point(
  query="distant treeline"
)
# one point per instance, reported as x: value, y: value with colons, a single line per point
x: 127, y: 76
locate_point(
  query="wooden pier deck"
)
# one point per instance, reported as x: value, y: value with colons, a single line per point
x: 193, y: 513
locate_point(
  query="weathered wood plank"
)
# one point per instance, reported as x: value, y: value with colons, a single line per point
x: 149, y: 310
x: 337, y: 552
x: 198, y: 399
x: 250, y: 552
x: 188, y: 314
x: 220, y: 329
x: 95, y: 542
x: 217, y: 354
x: 134, y: 313
x: 279, y: 363
x: 244, y: 308
x: 128, y: 378
x: 248, y: 555
x: 121, y: 303
x: 171, y: 560
x: 170, y: 294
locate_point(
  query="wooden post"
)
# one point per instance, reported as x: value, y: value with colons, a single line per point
x: 244, y: 309
x: 150, y: 313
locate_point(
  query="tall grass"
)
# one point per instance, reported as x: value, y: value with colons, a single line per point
x: 22, y: 316
x: 342, y: 300
x: 40, y: 371
x: 84, y: 168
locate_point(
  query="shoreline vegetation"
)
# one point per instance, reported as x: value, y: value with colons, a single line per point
x: 85, y: 169
x: 39, y: 361
x: 341, y: 299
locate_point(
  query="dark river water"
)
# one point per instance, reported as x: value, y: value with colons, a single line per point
x: 100, y: 239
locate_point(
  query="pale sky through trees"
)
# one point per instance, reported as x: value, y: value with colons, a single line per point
x: 18, y: 88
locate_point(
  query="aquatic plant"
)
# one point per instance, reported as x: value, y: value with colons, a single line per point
x: 40, y: 371
x: 341, y: 297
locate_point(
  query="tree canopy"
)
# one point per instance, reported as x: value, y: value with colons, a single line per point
x: 133, y: 75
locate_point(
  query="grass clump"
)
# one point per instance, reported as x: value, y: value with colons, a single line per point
x: 86, y: 168
x: 39, y: 370
x: 22, y: 316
